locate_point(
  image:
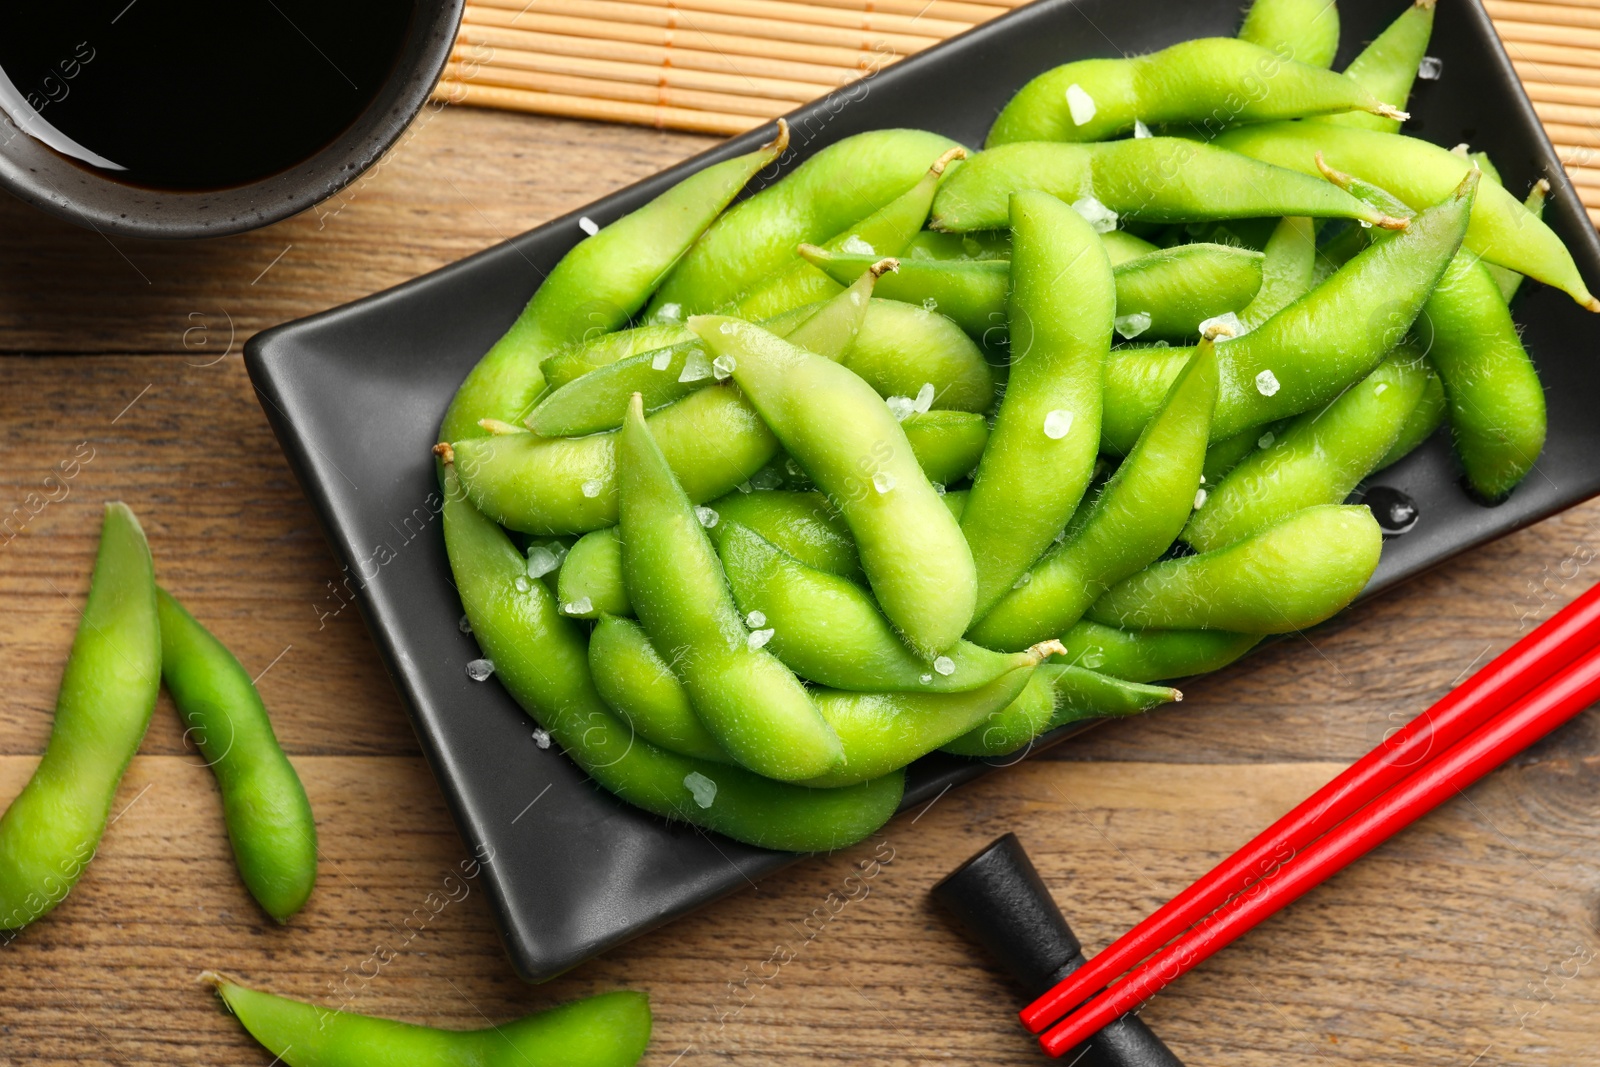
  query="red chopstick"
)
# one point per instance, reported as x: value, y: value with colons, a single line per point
x: 1558, y: 700
x: 1508, y: 677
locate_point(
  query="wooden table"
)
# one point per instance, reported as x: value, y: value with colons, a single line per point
x: 1470, y: 940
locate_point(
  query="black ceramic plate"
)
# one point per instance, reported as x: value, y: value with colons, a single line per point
x: 575, y: 872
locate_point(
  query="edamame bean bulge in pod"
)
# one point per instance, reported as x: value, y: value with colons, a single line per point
x: 1387, y: 68
x: 1153, y: 655
x: 640, y: 687
x: 846, y: 438
x: 1209, y: 82
x: 1306, y: 31
x: 1057, y: 694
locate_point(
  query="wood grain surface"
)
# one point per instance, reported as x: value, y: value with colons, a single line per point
x: 1469, y: 940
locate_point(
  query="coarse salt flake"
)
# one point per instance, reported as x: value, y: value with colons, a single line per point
x: 1080, y: 104
x: 588, y: 226
x: 759, y: 638
x: 857, y: 246
x: 703, y: 789
x: 695, y: 368
x: 1132, y: 324
x: 591, y: 488
x: 480, y: 669
x: 1199, y: 499
x: 944, y: 665
x: 1267, y: 383
x: 723, y: 366
x: 661, y: 360
x: 883, y: 481
x: 1057, y: 424
x: 708, y: 516
x: 1100, y: 218
x: 756, y: 619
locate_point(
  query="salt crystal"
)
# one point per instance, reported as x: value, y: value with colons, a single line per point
x: 938, y: 487
x: 759, y: 638
x: 708, y: 516
x: 541, y: 561
x: 1141, y: 131
x: 1378, y: 389
x: 1132, y: 324
x: 670, y: 312
x: 1159, y: 344
x: 662, y: 360
x: 582, y: 606
x: 695, y: 368
x: 930, y: 304
x: 924, y: 398
x: 1057, y: 423
x: 1100, y: 218
x: 1267, y: 383
x: 746, y: 486
x: 480, y: 669
x: 592, y: 487
x: 926, y: 679
x: 541, y: 738
x: 726, y: 328
x: 702, y: 788
x: 766, y: 478
x: 1092, y: 659
x: 901, y: 407
x: 855, y: 245
x: 464, y: 624
x: 1199, y: 499
x: 1027, y: 576
x: 1226, y: 324
x: 723, y: 366
x: 1266, y: 439
x: 883, y: 481
x: 1080, y: 104
x: 944, y: 665
x: 522, y: 583
x: 1430, y: 68
x: 591, y: 227
x: 794, y: 469
x: 756, y: 619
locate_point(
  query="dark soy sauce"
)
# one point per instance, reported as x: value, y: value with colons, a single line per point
x: 183, y: 94
x: 1395, y: 511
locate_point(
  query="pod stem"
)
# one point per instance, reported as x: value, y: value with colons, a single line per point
x: 1045, y: 649
x: 1389, y: 111
x: 780, y: 141
x: 446, y: 454
x: 884, y: 266
x: 945, y: 160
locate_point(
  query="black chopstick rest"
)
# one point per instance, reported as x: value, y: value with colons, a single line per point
x: 1004, y: 904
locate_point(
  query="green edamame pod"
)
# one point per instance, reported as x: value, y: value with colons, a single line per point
x: 885, y: 232
x: 1287, y: 269
x: 1057, y: 694
x: 1222, y: 456
x: 1153, y: 655
x: 1041, y: 451
x: 1121, y: 246
x: 749, y: 701
x: 755, y: 239
x: 609, y: 1030
x: 882, y: 731
x: 579, y: 358
x: 1155, y: 179
x: 845, y: 437
x: 901, y: 349
x: 1208, y: 82
x: 1509, y: 280
x: 51, y: 830
x: 1309, y: 352
x: 596, y: 288
x: 1319, y: 459
x: 270, y: 825
x: 827, y: 630
x: 639, y: 686
x: 1387, y: 68
x: 590, y: 581
x: 803, y: 524
x: 1306, y: 31
x: 1425, y: 418
x: 540, y: 658
x: 1133, y: 520
x: 971, y: 293
x: 1287, y: 577
x: 1502, y: 231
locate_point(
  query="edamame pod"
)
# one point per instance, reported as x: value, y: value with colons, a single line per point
x: 1306, y: 31
x: 1420, y: 425
x: 1057, y: 694
x: 1121, y: 245
x: 579, y: 358
x: 1502, y: 231
x: 270, y: 825
x: 1133, y: 520
x: 540, y: 658
x: 845, y: 437
x: 1287, y: 269
x: 803, y: 524
x: 1319, y: 459
x: 749, y: 701
x: 640, y: 687
x: 901, y: 349
x: 609, y: 1030
x: 1209, y: 82
x: 882, y: 731
x: 1387, y: 68
x: 827, y: 630
x: 1222, y: 456
x: 590, y: 581
x: 1041, y: 451
x: 1284, y: 578
x: 1509, y: 280
x: 1309, y: 352
x: 596, y: 288
x: 51, y: 830
x: 1153, y: 655
x: 1155, y: 179
x: 841, y: 184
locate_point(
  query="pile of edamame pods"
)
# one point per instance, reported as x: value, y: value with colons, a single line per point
x: 921, y: 448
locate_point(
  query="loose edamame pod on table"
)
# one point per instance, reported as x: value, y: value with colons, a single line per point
x: 608, y: 1030
x: 1420, y: 174
x: 596, y: 288
x: 1128, y: 526
x: 1056, y: 695
x: 639, y: 686
x: 1318, y: 459
x: 540, y: 658
x: 845, y: 437
x: 1046, y: 435
x: 1312, y: 350
x: 1287, y: 577
x: 1153, y: 655
x: 750, y: 702
x: 51, y: 830
x: 840, y: 185
x: 1306, y: 31
x: 1154, y: 179
x: 269, y: 820
x: 1387, y: 68
x: 1209, y: 81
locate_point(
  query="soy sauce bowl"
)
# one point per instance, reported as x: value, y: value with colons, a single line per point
x: 98, y: 200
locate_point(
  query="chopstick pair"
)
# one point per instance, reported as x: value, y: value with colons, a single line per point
x: 1537, y: 684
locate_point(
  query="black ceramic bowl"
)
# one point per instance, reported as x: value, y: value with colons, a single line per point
x: 575, y: 871
x: 92, y: 198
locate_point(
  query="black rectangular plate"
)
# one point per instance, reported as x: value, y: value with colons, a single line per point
x: 355, y: 394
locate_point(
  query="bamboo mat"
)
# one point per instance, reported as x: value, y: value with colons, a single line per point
x: 726, y: 66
